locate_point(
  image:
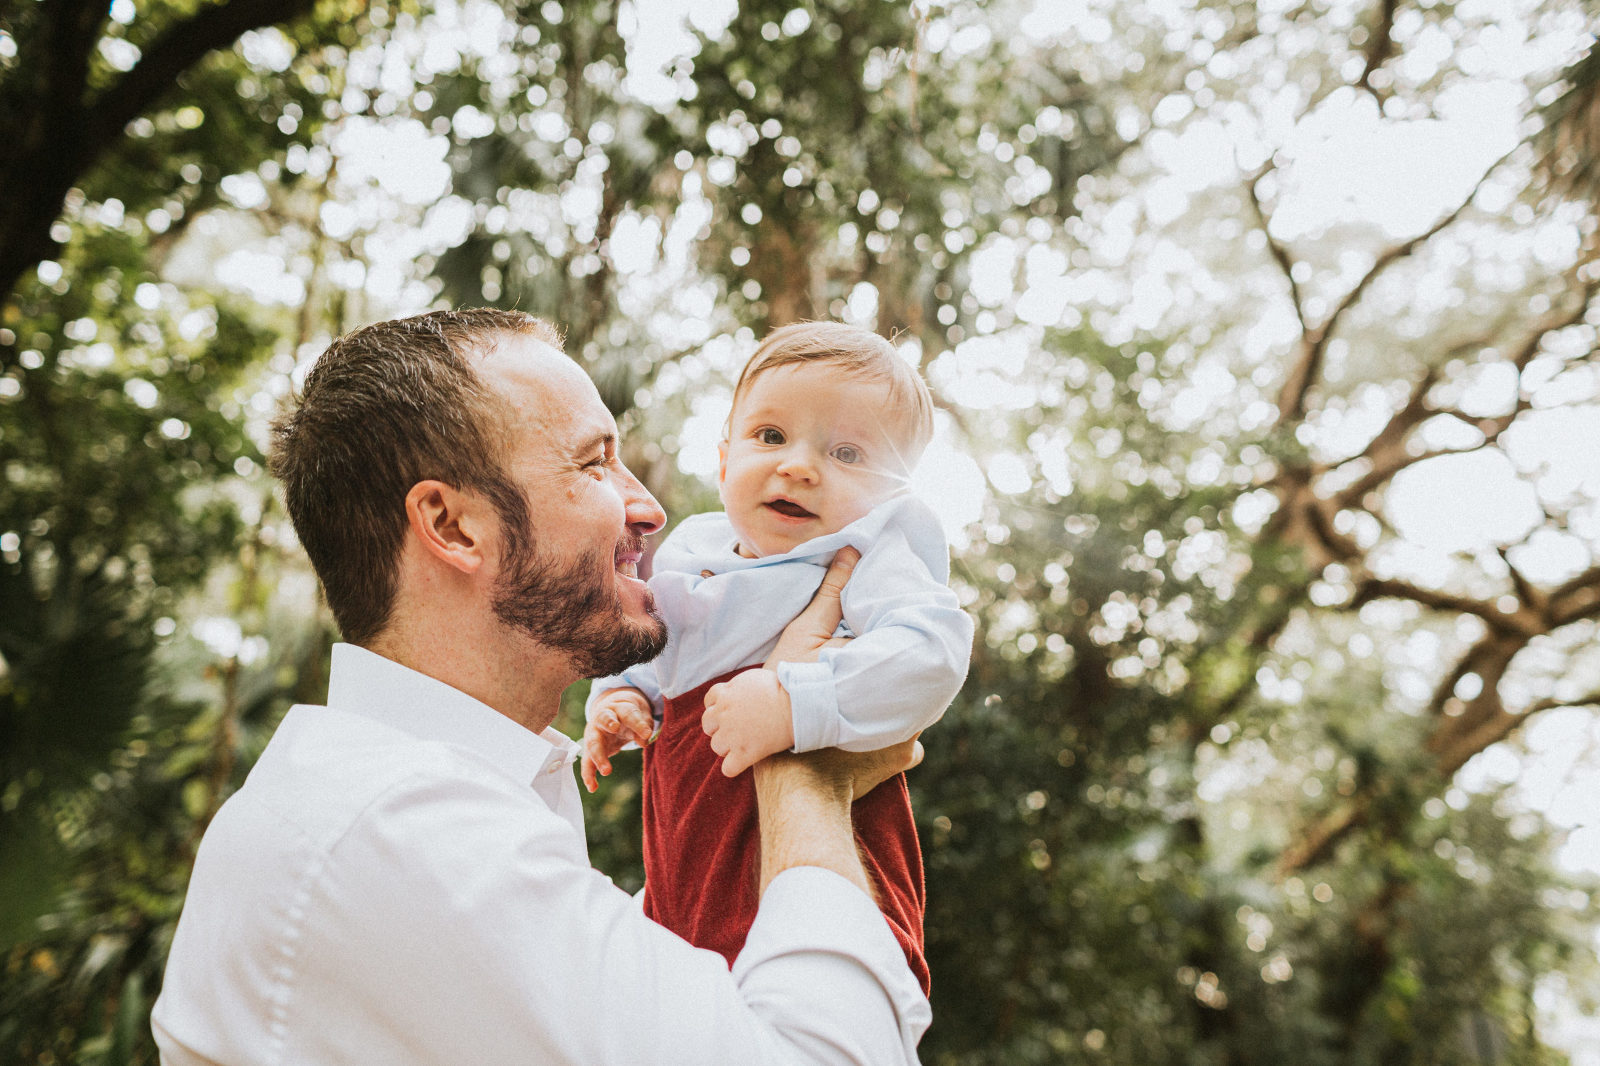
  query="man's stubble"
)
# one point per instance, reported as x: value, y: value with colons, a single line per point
x: 570, y: 607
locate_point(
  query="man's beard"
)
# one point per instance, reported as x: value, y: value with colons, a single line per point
x: 570, y: 608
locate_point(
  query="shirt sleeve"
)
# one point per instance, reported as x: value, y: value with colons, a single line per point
x: 501, y: 932
x: 907, y: 662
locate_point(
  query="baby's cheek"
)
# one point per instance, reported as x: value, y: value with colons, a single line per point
x: 861, y: 502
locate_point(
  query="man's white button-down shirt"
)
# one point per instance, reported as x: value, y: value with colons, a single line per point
x: 403, y: 879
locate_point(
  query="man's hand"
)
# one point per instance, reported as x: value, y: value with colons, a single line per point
x: 805, y: 800
x: 619, y: 716
x: 853, y: 774
x: 848, y: 775
x: 866, y: 770
x: 813, y: 628
x: 748, y: 717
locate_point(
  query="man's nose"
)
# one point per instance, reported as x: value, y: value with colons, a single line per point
x: 644, y: 514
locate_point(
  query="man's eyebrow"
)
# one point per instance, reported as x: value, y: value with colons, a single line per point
x: 599, y: 440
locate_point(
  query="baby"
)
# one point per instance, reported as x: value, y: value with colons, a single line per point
x: 827, y: 423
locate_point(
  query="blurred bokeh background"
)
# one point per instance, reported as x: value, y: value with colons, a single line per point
x: 1264, y: 338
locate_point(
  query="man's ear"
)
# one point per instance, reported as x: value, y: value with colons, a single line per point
x: 448, y: 524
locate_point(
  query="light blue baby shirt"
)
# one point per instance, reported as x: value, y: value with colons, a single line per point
x: 912, y: 639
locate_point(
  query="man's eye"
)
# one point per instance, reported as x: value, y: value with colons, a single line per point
x: 769, y: 435
x: 847, y: 453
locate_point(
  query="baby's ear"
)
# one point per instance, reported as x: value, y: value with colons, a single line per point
x: 722, y: 461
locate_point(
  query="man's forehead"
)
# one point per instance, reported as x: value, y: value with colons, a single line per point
x: 546, y: 392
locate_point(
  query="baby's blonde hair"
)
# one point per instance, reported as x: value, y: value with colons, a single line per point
x: 855, y: 351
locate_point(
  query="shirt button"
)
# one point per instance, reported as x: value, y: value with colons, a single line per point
x: 554, y: 767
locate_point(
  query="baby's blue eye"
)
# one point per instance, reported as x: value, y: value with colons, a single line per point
x: 847, y: 453
x: 768, y: 435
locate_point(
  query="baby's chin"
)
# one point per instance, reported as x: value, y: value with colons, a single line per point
x: 753, y: 545
x: 756, y: 546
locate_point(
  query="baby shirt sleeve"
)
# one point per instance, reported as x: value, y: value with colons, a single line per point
x: 641, y: 677
x: 910, y: 654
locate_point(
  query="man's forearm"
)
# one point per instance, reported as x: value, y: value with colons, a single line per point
x: 805, y: 820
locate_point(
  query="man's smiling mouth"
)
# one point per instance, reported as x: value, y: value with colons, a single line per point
x: 627, y: 556
x: 789, y: 508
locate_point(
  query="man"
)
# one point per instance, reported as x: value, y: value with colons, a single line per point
x: 403, y: 878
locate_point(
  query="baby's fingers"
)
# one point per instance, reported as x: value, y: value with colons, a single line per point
x: 711, y: 718
x: 735, y: 763
x: 638, y: 724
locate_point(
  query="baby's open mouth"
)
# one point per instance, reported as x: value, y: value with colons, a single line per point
x: 790, y: 508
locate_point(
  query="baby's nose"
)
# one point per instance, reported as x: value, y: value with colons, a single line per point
x: 798, y: 463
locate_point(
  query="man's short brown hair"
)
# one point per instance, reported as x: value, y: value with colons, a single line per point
x: 855, y: 351
x: 385, y: 407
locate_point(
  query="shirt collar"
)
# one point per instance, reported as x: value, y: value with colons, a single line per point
x: 365, y: 683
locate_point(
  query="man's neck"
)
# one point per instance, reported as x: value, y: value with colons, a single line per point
x: 510, y: 674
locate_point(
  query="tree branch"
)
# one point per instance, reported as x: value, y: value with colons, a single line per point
x: 1455, y: 738
x: 1380, y: 46
x: 1576, y: 599
x: 1307, y: 369
x: 1454, y: 749
x: 178, y: 48
x: 1280, y: 254
x: 1375, y: 588
x: 1445, y: 690
x: 1588, y: 579
x: 43, y: 105
x: 1387, y: 450
x: 1589, y: 699
x: 1415, y: 412
x: 1318, y: 840
x: 1527, y: 593
x: 1304, y: 520
x: 66, y: 135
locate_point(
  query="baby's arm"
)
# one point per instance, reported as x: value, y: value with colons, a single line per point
x: 884, y: 687
x: 889, y: 683
x: 908, y: 661
x: 616, y: 718
x: 881, y: 688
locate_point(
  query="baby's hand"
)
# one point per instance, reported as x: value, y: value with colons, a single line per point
x: 748, y: 718
x: 619, y: 716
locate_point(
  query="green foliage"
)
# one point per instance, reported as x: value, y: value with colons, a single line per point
x: 1127, y: 812
x: 125, y: 456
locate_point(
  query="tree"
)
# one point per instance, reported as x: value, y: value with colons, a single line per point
x: 127, y: 460
x: 72, y: 86
x: 875, y: 171
x: 1261, y: 609
x: 1222, y: 786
